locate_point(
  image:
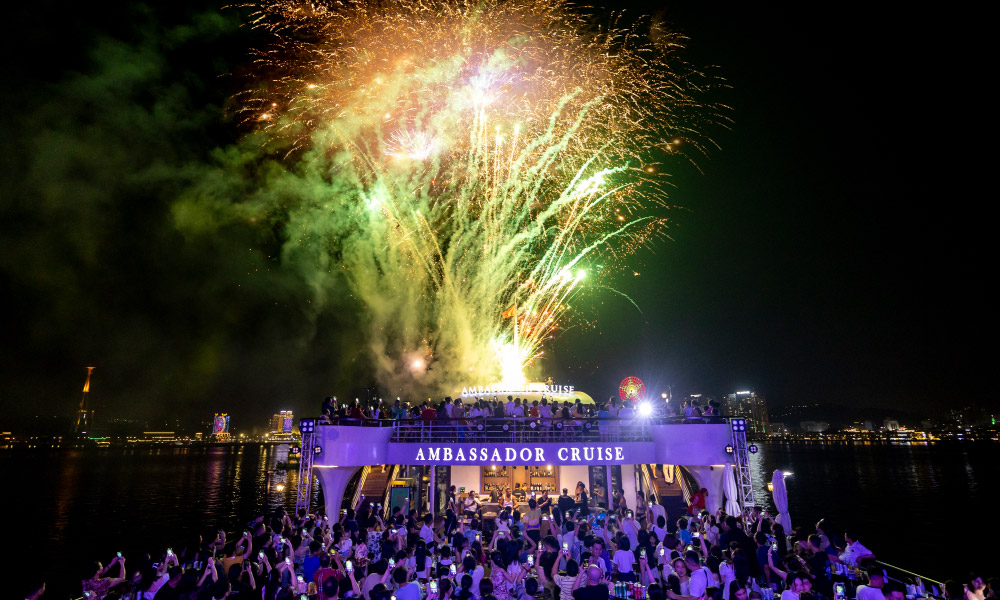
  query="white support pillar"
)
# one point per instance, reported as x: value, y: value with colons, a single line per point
x: 431, y: 489
x: 629, y: 484
x: 334, y: 481
x: 608, y: 490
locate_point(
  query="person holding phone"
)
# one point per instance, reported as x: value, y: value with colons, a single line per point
x: 98, y: 585
x: 501, y: 578
x: 241, y: 551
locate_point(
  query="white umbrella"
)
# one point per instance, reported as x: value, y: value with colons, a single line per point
x: 780, y: 496
x: 729, y: 486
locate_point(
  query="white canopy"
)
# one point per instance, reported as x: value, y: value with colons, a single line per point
x: 729, y: 487
x: 780, y: 496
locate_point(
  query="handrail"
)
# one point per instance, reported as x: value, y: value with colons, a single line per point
x: 685, y: 488
x: 885, y: 564
x: 915, y: 587
x: 393, y: 475
x: 521, y: 430
x: 555, y: 419
x: 361, y: 484
x: 649, y: 484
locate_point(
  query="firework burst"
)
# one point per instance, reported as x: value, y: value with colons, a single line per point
x: 453, y: 159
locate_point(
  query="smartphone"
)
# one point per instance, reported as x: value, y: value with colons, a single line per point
x: 170, y: 551
x: 434, y: 586
x: 119, y: 555
x: 349, y: 566
x: 839, y: 591
x: 565, y: 547
x: 695, y: 534
x: 663, y: 551
x: 392, y: 562
x: 642, y: 553
x: 478, y: 537
x: 288, y: 561
x: 545, y: 518
x: 531, y: 560
x: 260, y: 555
x: 300, y: 578
x: 452, y: 569
x: 774, y: 546
x: 303, y: 597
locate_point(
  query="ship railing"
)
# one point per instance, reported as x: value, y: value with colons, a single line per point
x: 527, y: 429
x: 917, y: 586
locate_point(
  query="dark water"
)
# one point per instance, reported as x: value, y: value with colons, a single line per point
x: 67, y: 508
x: 924, y: 508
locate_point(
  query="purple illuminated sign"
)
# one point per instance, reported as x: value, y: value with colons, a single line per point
x: 522, y: 454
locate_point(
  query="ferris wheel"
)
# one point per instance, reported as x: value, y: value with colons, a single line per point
x: 632, y: 389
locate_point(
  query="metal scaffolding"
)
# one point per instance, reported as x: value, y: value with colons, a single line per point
x: 304, y: 486
x: 744, y: 479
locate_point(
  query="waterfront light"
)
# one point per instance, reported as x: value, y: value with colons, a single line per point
x: 787, y: 473
x: 645, y: 409
x: 280, y: 487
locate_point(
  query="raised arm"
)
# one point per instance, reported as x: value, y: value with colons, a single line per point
x: 770, y: 563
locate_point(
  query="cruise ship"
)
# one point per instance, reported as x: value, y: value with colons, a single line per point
x: 412, y: 463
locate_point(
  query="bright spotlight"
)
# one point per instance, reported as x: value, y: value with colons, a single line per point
x: 645, y: 409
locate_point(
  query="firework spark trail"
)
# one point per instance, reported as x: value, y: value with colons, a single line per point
x: 451, y: 159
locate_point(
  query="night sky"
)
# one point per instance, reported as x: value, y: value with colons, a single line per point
x: 834, y: 250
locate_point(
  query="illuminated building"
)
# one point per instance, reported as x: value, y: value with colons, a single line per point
x: 281, y: 425
x: 746, y: 404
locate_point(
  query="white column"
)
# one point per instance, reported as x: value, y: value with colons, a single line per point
x: 334, y: 481
x: 431, y: 489
x: 629, y: 485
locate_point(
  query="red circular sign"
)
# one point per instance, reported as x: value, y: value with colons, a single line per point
x: 632, y: 389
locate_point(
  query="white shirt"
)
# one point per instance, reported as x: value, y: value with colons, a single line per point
x: 623, y: 560
x: 852, y: 552
x: 631, y: 531
x: 727, y: 575
x: 699, y: 582
x: 509, y: 407
x: 866, y: 592
x: 426, y: 533
x: 789, y: 595
x: 411, y: 591
x: 659, y: 531
x: 477, y: 576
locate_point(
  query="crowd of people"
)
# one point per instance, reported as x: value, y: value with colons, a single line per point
x: 541, y: 549
x: 547, y: 409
